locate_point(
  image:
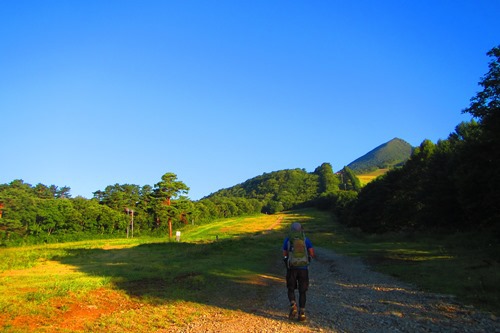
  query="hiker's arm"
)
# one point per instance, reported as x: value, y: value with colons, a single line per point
x: 285, y: 248
x: 285, y: 258
x: 311, y: 252
x: 285, y: 253
x: 310, y: 249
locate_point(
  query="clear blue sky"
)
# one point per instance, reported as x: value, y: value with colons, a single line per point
x: 99, y: 92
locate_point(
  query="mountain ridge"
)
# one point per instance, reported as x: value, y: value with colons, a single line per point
x: 287, y: 186
x: 387, y: 155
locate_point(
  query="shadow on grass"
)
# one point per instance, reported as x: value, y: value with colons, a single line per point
x: 224, y: 273
x: 232, y: 273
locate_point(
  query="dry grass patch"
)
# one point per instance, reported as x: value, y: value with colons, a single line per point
x: 368, y: 177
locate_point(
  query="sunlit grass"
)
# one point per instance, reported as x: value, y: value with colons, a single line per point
x: 153, y: 283
x: 229, y: 228
x: 43, y: 282
x: 368, y: 177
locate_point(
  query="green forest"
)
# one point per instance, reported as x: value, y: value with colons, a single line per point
x: 448, y: 186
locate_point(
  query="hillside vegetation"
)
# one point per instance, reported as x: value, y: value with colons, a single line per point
x: 33, y: 214
x: 388, y: 155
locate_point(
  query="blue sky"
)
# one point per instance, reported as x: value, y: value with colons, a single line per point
x: 94, y: 93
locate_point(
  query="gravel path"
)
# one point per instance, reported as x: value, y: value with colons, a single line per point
x: 345, y: 296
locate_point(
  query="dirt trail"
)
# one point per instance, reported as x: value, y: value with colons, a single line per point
x: 345, y: 296
x: 277, y: 223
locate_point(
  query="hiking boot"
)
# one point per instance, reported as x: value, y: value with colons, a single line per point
x: 293, y: 311
x: 302, y: 315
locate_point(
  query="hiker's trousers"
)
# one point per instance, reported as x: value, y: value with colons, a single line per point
x: 297, y: 279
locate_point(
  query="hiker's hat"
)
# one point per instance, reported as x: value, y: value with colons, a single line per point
x: 296, y: 226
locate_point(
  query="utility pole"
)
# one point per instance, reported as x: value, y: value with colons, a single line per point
x: 132, y: 223
x: 130, y: 226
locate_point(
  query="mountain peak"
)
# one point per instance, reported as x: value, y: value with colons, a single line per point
x: 389, y: 154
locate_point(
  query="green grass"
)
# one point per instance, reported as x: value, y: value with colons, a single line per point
x: 464, y: 265
x: 41, y: 282
x: 147, y: 284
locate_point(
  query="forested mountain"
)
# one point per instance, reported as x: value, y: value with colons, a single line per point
x: 387, y: 155
x: 285, y: 189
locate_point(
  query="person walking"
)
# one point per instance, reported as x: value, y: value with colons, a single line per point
x: 297, y: 254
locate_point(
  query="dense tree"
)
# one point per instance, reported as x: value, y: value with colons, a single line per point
x: 485, y: 106
x: 63, y: 192
x: 328, y: 180
x: 43, y: 191
x: 481, y: 156
x: 438, y: 193
x: 349, y: 181
x: 167, y: 189
x: 89, y: 211
x: 56, y: 217
x: 120, y: 197
x: 19, y: 209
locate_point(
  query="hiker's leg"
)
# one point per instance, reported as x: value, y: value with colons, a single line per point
x: 302, y: 299
x: 303, y: 278
x: 291, y: 284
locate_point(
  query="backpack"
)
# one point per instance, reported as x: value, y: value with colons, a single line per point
x: 297, y: 250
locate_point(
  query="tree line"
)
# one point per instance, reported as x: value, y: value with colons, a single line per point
x: 48, y: 213
x: 32, y: 214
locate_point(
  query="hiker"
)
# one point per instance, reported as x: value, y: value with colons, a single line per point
x: 297, y: 254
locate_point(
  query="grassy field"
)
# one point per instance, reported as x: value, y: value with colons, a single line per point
x: 117, y: 285
x: 464, y: 265
x: 145, y: 284
x: 368, y: 177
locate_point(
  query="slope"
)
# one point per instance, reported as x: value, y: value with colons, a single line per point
x: 390, y: 154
